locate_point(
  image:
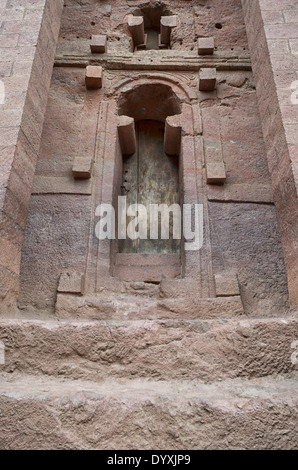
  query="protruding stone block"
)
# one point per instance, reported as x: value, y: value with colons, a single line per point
x: 207, y: 80
x: 216, y: 173
x: 71, y: 283
x: 167, y: 23
x: 206, y: 46
x: 137, y: 29
x: 226, y: 285
x: 98, y: 44
x: 172, y: 140
x: 93, y: 77
x: 127, y: 135
x: 82, y: 168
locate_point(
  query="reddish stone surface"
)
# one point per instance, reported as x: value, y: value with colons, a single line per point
x: 207, y: 79
x: 98, y: 44
x: 223, y: 21
x: 172, y: 140
x: 55, y: 242
x: 206, y: 46
x: 30, y: 34
x: 93, y: 78
x: 272, y: 34
x: 147, y: 268
x: 215, y: 173
x: 226, y: 285
x: 127, y: 135
x: 82, y: 168
x: 245, y: 238
x: 71, y: 283
x: 211, y: 324
x: 136, y: 28
x: 230, y: 127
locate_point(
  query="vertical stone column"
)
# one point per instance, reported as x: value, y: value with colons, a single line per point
x: 273, y: 39
x: 28, y: 36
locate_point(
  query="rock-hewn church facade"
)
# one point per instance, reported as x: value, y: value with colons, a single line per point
x: 139, y: 343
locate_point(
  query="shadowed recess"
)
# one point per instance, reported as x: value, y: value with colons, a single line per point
x: 151, y: 101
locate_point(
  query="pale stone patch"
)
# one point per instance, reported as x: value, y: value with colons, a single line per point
x: 2, y: 92
x: 2, y: 353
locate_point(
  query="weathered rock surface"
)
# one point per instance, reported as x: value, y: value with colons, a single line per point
x: 145, y: 414
x: 203, y: 361
x: 163, y: 349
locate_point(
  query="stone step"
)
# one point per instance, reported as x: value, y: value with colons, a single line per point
x: 133, y: 307
x: 208, y: 350
x: 147, y: 267
x: 50, y: 413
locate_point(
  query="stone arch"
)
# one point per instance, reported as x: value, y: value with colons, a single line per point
x: 138, y: 103
x: 179, y: 89
x: 109, y: 182
x: 164, y: 99
x: 144, y: 110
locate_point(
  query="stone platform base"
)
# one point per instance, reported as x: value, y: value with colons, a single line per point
x: 131, y: 307
x: 149, y: 384
x: 144, y: 414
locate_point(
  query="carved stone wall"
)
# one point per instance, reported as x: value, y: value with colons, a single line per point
x: 221, y: 128
x: 273, y: 39
x: 29, y: 33
x: 184, y: 350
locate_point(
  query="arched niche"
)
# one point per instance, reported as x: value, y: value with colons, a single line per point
x: 151, y: 27
x: 150, y: 142
x: 152, y: 14
x: 152, y: 17
x: 158, y: 97
x: 154, y: 101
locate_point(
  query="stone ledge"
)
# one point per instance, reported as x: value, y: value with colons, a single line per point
x: 60, y: 185
x: 164, y: 349
x: 246, y: 193
x: 148, y: 62
x: 133, y: 308
x: 20, y: 386
x: 262, y: 414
